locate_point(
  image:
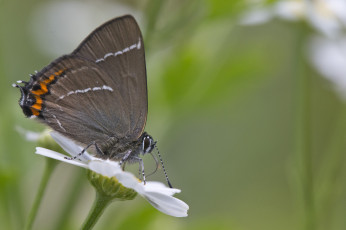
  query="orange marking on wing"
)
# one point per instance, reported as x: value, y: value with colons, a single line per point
x: 59, y: 72
x: 37, y: 106
x: 44, y: 87
x: 34, y: 112
x: 39, y: 92
x: 45, y: 83
x: 38, y: 103
x: 49, y: 80
x: 38, y: 100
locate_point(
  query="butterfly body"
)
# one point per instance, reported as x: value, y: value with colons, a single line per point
x: 117, y: 149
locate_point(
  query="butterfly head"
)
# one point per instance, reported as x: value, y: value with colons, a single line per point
x: 148, y: 144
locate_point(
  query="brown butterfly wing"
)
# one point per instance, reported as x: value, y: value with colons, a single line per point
x: 83, y: 103
x: 117, y: 48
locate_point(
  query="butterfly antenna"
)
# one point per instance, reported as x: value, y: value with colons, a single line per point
x: 163, y: 167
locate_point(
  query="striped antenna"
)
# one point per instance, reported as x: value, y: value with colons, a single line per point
x: 163, y: 167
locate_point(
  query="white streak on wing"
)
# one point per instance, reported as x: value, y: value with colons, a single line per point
x: 57, y: 121
x: 107, y: 55
x: 80, y: 91
x: 118, y: 53
x: 139, y: 44
x: 107, y: 88
x: 96, y: 88
x: 60, y: 108
x: 79, y: 69
x: 125, y: 50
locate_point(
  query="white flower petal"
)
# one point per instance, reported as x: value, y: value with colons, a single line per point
x: 107, y: 168
x: 168, y: 201
x: 167, y: 204
x: 323, y: 19
x: 338, y: 7
x: 70, y: 147
x: 290, y: 10
x: 29, y: 135
x: 326, y: 16
x: 155, y: 186
x: 129, y: 180
x: 329, y: 58
x: 256, y: 16
x: 58, y: 156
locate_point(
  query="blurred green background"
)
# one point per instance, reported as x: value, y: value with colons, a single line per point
x: 250, y: 132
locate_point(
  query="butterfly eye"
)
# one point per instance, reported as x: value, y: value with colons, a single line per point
x: 147, y: 144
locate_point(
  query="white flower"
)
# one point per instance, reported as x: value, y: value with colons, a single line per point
x: 327, y: 53
x: 327, y: 16
x: 29, y: 135
x: 158, y: 195
x: 329, y: 57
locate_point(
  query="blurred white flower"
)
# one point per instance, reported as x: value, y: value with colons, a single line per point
x: 327, y: 16
x: 329, y: 57
x: 327, y: 53
x: 158, y: 195
x: 28, y: 135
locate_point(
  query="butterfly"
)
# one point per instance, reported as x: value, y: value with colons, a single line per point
x: 97, y: 95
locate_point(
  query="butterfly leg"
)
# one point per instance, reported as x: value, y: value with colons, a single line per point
x: 123, y: 166
x: 141, y: 167
x: 125, y: 157
x: 99, y: 151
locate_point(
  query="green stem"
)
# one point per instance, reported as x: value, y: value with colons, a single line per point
x: 331, y: 174
x: 100, y: 203
x: 70, y: 201
x: 304, y: 151
x: 50, y: 165
x: 307, y: 156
